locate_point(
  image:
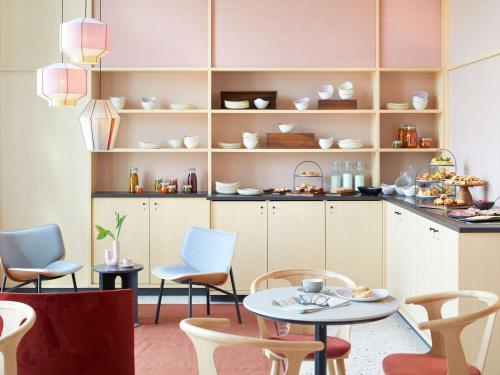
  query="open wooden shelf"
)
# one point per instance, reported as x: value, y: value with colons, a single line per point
x: 409, y: 150
x: 294, y: 111
x: 152, y: 69
x: 293, y: 150
x: 422, y: 111
x: 292, y: 69
x: 162, y: 111
x: 156, y: 150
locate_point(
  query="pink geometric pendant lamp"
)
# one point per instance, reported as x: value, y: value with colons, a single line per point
x: 61, y: 84
x: 100, y: 122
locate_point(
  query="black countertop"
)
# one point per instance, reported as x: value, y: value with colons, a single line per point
x: 436, y: 216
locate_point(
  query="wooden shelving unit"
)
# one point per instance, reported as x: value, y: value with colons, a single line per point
x: 375, y: 86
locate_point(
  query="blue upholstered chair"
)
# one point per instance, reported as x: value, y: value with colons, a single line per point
x: 206, y: 260
x: 34, y: 255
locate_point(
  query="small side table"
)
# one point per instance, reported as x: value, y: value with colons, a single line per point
x: 129, y: 276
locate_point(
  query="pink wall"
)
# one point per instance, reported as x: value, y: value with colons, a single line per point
x: 410, y: 33
x: 294, y: 33
x: 474, y: 121
x: 156, y: 32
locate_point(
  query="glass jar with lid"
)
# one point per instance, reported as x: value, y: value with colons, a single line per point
x: 133, y: 179
x: 408, y: 136
x: 425, y: 142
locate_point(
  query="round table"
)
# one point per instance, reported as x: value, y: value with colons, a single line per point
x: 128, y: 275
x: 261, y: 304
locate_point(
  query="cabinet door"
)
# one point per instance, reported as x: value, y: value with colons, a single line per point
x: 354, y: 241
x: 169, y: 218
x: 249, y: 220
x: 134, y: 237
x: 393, y: 253
x: 296, y: 235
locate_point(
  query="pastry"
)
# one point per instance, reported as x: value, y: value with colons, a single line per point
x: 361, y: 291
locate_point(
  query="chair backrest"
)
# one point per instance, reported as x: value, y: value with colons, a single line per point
x: 78, y: 333
x: 446, y: 332
x: 206, y: 341
x: 294, y: 276
x: 31, y: 248
x: 208, y: 250
x: 17, y: 319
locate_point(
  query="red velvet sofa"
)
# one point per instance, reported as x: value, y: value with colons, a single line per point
x: 78, y: 333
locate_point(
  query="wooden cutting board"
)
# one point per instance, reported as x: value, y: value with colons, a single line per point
x: 290, y: 140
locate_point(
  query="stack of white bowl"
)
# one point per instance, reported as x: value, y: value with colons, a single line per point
x: 118, y: 101
x: 227, y: 187
x: 250, y: 140
x: 420, y: 100
x: 326, y: 91
x: 346, y: 90
x: 350, y: 143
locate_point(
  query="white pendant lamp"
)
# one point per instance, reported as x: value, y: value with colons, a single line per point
x: 62, y: 85
x: 85, y: 40
x: 100, y: 122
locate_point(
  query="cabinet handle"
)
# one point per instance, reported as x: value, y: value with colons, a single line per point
x: 143, y: 203
x: 261, y: 207
x: 156, y: 203
x: 397, y: 212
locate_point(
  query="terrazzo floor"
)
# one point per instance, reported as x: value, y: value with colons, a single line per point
x: 371, y: 342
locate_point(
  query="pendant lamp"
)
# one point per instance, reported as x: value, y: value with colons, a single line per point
x: 85, y: 40
x: 100, y: 122
x: 61, y: 84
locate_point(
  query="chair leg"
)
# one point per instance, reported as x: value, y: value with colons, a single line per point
x: 275, y: 367
x: 190, y: 295
x: 157, y: 315
x: 340, y: 366
x: 331, y: 367
x: 235, y: 296
x: 39, y: 284
x: 208, y: 298
x: 73, y: 277
x: 4, y: 282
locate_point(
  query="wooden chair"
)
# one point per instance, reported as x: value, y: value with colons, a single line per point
x: 18, y: 318
x: 446, y: 355
x: 338, y: 347
x: 206, y: 341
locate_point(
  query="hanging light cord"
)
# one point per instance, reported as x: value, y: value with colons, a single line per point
x: 100, y: 60
x: 62, y: 21
x: 85, y: 11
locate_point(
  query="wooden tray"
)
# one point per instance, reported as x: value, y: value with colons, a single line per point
x: 306, y: 194
x: 337, y: 104
x: 290, y: 140
x: 442, y: 207
x: 343, y: 194
x: 250, y: 96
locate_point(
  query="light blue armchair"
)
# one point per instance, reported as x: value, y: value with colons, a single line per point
x: 33, y: 255
x: 206, y: 260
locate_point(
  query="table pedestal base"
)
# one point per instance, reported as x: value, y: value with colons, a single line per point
x: 320, y: 357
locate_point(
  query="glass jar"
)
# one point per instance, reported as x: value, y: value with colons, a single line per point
x: 192, y: 180
x: 425, y: 142
x: 139, y: 189
x: 347, y: 176
x: 164, y: 187
x: 336, y: 179
x: 359, y: 177
x: 133, y: 179
x: 397, y: 144
x: 409, y: 136
x: 157, y: 184
x: 187, y: 189
x: 173, y: 182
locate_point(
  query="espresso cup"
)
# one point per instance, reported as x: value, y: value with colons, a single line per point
x: 127, y: 261
x: 312, y: 285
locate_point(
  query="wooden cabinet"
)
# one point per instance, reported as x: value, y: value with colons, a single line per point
x: 169, y: 218
x: 296, y: 235
x: 249, y: 220
x: 134, y: 237
x: 354, y: 242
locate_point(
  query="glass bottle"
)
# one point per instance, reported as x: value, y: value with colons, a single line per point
x: 359, y: 177
x: 336, y: 180
x: 192, y: 180
x: 347, y: 176
x: 133, y: 179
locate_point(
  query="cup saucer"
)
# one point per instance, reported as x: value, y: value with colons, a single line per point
x: 126, y: 265
x: 324, y: 290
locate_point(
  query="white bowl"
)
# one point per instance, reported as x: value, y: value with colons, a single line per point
x: 419, y: 105
x: 346, y: 86
x: 181, y: 106
x: 301, y: 104
x: 421, y: 95
x: 261, y: 103
x: 325, y: 142
x: 175, y: 142
x: 388, y: 189
x: 191, y: 141
x: 250, y: 136
x: 250, y: 143
x: 285, y: 128
x: 148, y: 102
x: 118, y: 101
x: 409, y: 191
x: 325, y: 91
x: 346, y: 94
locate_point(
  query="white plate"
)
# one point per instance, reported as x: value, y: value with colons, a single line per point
x: 244, y: 104
x: 181, y: 106
x: 378, y: 294
x: 226, y: 145
x: 249, y: 192
x: 150, y: 145
x: 126, y: 266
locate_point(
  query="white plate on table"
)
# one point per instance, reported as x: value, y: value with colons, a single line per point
x: 346, y: 293
x: 126, y: 265
x: 249, y: 191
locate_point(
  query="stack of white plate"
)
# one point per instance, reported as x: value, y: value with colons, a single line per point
x: 242, y: 104
x: 181, y: 106
x: 227, y: 187
x: 249, y: 191
x: 228, y: 146
x: 150, y: 145
x: 398, y: 106
x: 350, y: 143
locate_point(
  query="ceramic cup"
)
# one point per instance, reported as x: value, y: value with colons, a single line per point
x: 127, y: 261
x: 312, y: 285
